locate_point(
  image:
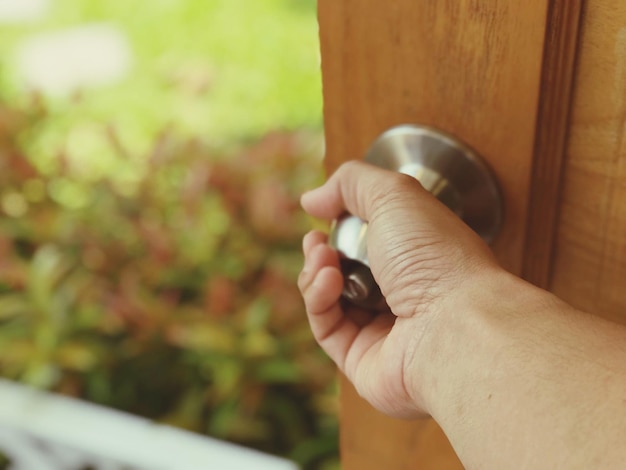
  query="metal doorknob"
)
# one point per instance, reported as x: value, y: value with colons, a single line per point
x: 444, y: 166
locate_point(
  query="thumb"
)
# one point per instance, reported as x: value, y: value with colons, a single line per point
x: 358, y: 188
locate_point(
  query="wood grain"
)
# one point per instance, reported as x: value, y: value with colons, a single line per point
x: 469, y: 67
x: 557, y: 79
x: 590, y: 263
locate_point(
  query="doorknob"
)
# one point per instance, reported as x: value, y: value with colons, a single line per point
x: 444, y: 166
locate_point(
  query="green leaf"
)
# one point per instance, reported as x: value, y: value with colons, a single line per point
x: 41, y: 375
x: 280, y: 370
x: 13, y: 305
x: 208, y: 337
x: 76, y: 356
x: 258, y: 314
x: 259, y: 343
x: 228, y: 377
x: 46, y: 269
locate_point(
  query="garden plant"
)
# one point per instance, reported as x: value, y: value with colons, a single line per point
x: 149, y: 252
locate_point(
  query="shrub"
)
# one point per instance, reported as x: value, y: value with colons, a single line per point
x: 171, y: 296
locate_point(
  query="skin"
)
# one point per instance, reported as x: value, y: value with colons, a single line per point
x: 515, y: 377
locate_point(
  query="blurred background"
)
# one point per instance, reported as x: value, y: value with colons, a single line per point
x: 151, y: 159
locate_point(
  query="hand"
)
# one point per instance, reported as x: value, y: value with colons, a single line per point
x: 422, y: 256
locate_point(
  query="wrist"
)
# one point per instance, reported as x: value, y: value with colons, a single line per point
x: 458, y: 356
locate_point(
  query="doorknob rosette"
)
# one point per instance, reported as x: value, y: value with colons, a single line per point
x: 445, y: 167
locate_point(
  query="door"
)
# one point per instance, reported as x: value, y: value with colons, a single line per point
x: 538, y: 88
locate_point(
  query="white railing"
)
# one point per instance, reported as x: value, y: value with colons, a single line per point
x: 43, y: 431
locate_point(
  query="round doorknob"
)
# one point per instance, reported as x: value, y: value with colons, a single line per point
x: 444, y: 166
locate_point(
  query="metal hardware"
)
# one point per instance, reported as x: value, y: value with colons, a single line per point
x: 447, y: 168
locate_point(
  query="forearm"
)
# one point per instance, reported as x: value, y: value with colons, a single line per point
x: 518, y: 379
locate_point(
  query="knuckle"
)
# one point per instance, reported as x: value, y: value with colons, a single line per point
x: 405, y: 183
x: 397, y: 188
x: 304, y: 279
x: 346, y: 169
x: 349, y: 165
x: 366, y: 187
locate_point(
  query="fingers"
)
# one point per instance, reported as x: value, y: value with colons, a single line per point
x: 356, y: 187
x: 311, y: 239
x: 346, y: 336
x: 321, y: 283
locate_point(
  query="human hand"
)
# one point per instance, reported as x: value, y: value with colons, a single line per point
x: 422, y: 256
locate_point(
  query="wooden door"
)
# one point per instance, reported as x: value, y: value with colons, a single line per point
x: 538, y: 88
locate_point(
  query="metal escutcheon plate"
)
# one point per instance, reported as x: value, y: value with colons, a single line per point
x: 444, y: 166
x: 448, y: 169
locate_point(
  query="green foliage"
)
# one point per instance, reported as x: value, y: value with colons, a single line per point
x: 150, y: 231
x: 5, y: 462
x: 222, y: 69
x: 171, y: 295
